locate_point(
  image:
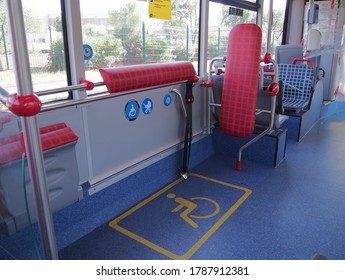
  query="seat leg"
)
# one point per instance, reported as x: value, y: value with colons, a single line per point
x: 258, y: 137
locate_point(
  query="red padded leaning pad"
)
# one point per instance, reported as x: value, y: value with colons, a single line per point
x: 52, y: 136
x: 43, y: 130
x: 240, y: 86
x: 133, y: 77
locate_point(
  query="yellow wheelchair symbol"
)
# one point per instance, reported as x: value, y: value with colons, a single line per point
x: 190, y: 207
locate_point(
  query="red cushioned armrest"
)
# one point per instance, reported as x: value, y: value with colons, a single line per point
x: 146, y: 75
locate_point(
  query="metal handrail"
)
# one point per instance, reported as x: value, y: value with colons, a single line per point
x: 106, y: 95
x: 68, y: 103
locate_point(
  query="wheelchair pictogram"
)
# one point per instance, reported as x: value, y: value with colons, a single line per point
x: 189, y: 206
x: 132, y: 110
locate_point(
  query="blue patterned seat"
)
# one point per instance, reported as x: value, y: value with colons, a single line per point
x: 297, y: 85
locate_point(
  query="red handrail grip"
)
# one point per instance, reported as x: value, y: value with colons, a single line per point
x: 24, y: 105
x: 267, y: 58
x: 208, y: 84
x: 273, y: 89
x: 309, y: 62
x: 89, y: 85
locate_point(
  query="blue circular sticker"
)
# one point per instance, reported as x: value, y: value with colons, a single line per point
x: 167, y: 99
x: 132, y: 110
x: 88, y: 52
x: 147, y: 106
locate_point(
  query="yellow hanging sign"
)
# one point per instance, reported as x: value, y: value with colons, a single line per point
x: 160, y: 9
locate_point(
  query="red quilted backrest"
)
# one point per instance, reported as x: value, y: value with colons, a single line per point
x: 240, y: 87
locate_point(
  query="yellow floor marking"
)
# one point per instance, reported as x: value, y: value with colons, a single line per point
x: 214, y: 213
x: 114, y: 224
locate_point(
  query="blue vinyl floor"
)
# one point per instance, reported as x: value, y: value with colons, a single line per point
x: 291, y: 212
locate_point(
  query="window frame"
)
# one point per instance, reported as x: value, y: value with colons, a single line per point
x: 242, y: 4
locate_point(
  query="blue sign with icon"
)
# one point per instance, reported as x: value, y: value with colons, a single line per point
x: 147, y: 106
x: 88, y: 52
x: 132, y: 110
x: 167, y: 99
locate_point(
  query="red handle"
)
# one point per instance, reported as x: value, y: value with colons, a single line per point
x: 273, y: 89
x: 89, y: 85
x: 267, y: 58
x: 208, y: 84
x: 24, y: 105
x: 309, y: 62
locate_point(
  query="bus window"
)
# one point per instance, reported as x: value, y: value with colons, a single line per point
x: 222, y: 18
x: 121, y: 33
x: 45, y: 48
x: 277, y: 25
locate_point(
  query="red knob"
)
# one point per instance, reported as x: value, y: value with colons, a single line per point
x: 208, y: 84
x: 89, y: 85
x: 267, y: 58
x: 273, y: 89
x: 24, y: 105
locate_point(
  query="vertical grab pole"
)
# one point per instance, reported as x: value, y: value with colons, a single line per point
x: 204, y: 15
x: 309, y: 27
x: 187, y: 43
x: 270, y: 22
x: 143, y: 37
x: 32, y: 141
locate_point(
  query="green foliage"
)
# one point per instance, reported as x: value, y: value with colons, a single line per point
x: 32, y: 21
x: 180, y: 52
x: 58, y: 24
x: 157, y: 50
x: 107, y: 50
x: 186, y: 13
x: 133, y: 46
x: 216, y: 45
x: 106, y: 54
x: 124, y: 20
x: 126, y: 23
x: 57, y: 57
